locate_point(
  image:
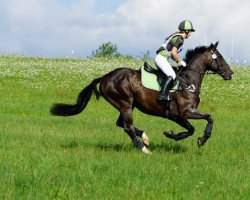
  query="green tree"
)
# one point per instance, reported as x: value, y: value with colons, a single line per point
x: 106, y: 50
x: 146, y: 56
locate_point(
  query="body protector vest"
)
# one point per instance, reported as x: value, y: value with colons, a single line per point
x: 163, y: 49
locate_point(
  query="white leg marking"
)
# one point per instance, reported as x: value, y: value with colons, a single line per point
x: 145, y: 150
x: 145, y: 139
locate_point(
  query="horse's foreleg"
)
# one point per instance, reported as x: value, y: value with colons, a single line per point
x: 182, y: 135
x: 193, y: 113
x: 140, y: 133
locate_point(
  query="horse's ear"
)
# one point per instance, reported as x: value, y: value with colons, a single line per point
x: 214, y: 46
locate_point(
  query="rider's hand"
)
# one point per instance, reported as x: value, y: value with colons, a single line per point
x: 183, y: 63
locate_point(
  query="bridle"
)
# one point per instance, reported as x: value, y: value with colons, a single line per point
x: 214, y: 59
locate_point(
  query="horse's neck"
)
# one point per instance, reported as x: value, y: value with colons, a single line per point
x: 195, y: 73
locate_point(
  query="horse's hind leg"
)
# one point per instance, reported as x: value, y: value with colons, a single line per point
x: 127, y: 117
x: 140, y: 133
x: 125, y: 120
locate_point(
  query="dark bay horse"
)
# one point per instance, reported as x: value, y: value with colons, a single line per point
x: 122, y: 88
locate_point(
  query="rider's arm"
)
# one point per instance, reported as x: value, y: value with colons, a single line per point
x: 176, y: 55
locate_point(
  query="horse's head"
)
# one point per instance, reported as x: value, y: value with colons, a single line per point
x: 217, y: 64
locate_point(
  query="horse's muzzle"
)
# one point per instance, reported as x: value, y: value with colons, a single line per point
x: 227, y: 75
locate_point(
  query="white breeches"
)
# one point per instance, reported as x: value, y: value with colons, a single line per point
x: 163, y: 63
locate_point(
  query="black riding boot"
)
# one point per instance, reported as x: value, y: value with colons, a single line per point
x: 163, y: 95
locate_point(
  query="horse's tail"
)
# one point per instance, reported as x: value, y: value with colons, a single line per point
x: 82, y: 101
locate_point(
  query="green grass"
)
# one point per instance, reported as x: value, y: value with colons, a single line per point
x: 88, y: 157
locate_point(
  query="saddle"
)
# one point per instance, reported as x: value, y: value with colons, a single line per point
x: 154, y: 78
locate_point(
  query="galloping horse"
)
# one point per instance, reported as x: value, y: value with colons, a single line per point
x: 123, y: 89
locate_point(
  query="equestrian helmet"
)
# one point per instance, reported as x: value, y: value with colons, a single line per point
x: 186, y: 26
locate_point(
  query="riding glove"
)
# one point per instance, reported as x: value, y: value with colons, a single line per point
x: 183, y: 63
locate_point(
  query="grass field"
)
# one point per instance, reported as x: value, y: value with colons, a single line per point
x: 88, y: 157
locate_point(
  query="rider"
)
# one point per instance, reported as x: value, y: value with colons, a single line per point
x: 167, y: 55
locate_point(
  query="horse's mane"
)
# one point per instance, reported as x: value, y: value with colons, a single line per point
x: 191, y: 53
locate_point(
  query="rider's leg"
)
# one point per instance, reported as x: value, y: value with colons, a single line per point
x: 166, y: 86
x: 164, y: 65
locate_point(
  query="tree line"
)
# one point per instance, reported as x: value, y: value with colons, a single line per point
x: 110, y: 50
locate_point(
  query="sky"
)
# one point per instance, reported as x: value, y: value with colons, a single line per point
x: 75, y: 28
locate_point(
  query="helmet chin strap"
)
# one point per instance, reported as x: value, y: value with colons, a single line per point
x: 186, y: 33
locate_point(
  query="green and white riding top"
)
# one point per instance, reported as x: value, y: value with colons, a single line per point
x: 175, y: 40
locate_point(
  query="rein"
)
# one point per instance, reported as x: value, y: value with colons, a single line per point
x: 214, y: 59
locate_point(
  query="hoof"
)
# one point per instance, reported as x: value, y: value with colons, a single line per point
x: 201, y: 141
x: 145, y: 139
x: 169, y: 134
x: 145, y: 150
